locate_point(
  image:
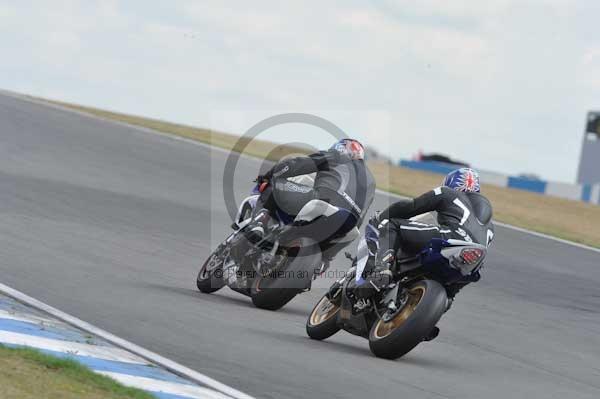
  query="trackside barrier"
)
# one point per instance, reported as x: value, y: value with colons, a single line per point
x: 579, y: 192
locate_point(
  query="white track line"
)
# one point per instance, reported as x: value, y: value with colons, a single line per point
x: 129, y: 346
x: 205, y: 145
x: 173, y: 388
x: 75, y: 348
x: 19, y: 316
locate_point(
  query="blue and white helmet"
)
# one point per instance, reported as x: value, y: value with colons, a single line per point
x: 463, y: 179
x: 350, y: 147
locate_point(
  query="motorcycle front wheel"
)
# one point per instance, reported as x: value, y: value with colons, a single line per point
x: 210, y: 276
x: 322, y: 322
x: 425, y: 305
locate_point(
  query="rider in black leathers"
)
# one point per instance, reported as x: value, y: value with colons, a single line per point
x: 342, y: 179
x: 462, y: 213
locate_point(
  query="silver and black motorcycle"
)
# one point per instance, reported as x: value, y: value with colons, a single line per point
x: 271, y: 272
x: 405, y: 313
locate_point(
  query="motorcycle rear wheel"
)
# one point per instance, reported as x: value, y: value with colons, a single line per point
x: 426, y: 303
x: 275, y: 289
x: 279, y: 285
x: 267, y: 297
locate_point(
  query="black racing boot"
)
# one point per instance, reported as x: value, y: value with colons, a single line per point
x: 380, y: 277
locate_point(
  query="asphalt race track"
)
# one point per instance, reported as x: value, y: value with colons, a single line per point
x: 110, y: 224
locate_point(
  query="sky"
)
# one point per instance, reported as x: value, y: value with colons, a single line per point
x: 504, y: 85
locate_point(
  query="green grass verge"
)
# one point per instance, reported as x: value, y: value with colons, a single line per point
x: 29, y: 374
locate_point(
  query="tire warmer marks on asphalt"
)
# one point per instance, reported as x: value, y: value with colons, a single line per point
x: 23, y: 326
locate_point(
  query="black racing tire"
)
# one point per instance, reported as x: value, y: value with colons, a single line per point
x: 322, y: 321
x: 272, y: 292
x: 426, y: 304
x: 209, y: 281
x: 270, y: 298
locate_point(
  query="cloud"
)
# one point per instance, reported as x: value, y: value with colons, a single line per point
x: 590, y: 67
x: 502, y: 84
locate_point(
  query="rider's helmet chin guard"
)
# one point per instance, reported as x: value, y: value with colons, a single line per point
x: 463, y: 179
x: 350, y: 147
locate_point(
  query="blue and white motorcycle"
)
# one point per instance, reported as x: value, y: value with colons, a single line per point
x: 272, y: 272
x: 405, y: 313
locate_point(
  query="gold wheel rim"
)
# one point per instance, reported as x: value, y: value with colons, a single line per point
x: 324, y: 311
x: 382, y: 329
